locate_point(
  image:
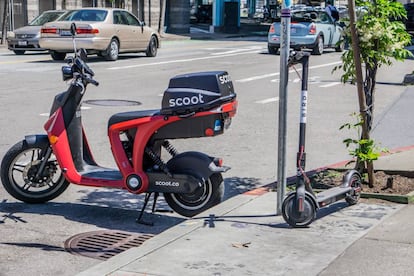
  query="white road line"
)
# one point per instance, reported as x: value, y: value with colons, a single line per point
x: 330, y: 84
x: 236, y: 50
x: 183, y: 60
x: 264, y: 76
x: 48, y: 114
x: 269, y: 100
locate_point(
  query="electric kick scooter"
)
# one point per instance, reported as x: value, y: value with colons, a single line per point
x: 300, y: 206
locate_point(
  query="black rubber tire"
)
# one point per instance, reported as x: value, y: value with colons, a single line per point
x: 112, y: 52
x: 20, y: 163
x: 272, y: 50
x: 306, y: 218
x: 355, y: 182
x: 189, y: 205
x: 152, y: 47
x: 340, y: 46
x: 318, y: 49
x: 57, y: 55
x: 19, y: 52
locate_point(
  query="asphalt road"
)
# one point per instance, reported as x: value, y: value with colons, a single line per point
x: 32, y: 236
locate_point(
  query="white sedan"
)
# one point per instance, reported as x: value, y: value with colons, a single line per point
x: 102, y: 31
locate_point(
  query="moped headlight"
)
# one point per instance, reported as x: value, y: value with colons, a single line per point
x: 67, y: 73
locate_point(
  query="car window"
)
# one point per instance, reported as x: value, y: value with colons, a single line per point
x: 132, y: 20
x: 304, y: 16
x: 119, y: 18
x: 85, y: 15
x: 325, y: 18
x: 45, y: 17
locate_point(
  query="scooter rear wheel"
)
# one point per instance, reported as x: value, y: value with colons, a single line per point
x: 19, y: 168
x: 206, y: 196
x: 354, y: 182
x: 293, y: 217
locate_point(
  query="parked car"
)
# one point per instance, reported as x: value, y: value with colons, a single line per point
x: 106, y: 32
x: 409, y: 22
x: 27, y: 38
x: 309, y: 29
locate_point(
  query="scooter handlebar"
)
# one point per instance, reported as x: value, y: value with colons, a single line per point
x: 297, y: 57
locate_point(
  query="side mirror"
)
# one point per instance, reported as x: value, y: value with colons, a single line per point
x: 83, y: 54
x: 73, y: 29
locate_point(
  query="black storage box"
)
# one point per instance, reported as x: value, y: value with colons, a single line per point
x: 192, y: 127
x: 197, y: 92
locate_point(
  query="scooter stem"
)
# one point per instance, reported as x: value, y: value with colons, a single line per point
x: 301, y: 185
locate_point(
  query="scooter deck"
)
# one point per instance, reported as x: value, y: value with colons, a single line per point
x: 331, y: 195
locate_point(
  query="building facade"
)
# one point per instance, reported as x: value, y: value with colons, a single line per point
x: 17, y: 13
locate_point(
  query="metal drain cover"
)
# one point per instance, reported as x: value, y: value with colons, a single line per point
x: 104, y: 244
x: 112, y: 102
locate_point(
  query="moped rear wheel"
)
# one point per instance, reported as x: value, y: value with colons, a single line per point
x: 20, y: 177
x: 204, y: 197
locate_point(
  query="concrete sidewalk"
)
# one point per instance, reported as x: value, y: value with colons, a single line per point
x: 243, y: 236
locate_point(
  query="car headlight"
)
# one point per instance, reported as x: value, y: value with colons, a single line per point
x: 10, y: 34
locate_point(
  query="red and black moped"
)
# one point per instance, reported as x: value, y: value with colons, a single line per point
x: 40, y: 167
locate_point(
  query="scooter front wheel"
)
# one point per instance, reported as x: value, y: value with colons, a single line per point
x: 295, y: 218
x: 22, y: 179
x: 204, y: 197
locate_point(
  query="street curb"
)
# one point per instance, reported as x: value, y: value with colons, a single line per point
x: 402, y: 199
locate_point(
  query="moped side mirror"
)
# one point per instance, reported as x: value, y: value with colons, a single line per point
x: 73, y: 29
x: 83, y: 54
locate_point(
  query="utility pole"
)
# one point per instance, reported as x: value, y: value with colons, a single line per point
x: 4, y: 23
x: 284, y: 77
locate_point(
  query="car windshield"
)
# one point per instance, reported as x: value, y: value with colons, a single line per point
x: 312, y: 16
x: 46, y: 17
x: 85, y: 15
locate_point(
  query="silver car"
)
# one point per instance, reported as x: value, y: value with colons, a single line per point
x: 313, y: 30
x: 106, y: 32
x: 27, y: 38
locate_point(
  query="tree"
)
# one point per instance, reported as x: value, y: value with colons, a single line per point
x: 378, y: 37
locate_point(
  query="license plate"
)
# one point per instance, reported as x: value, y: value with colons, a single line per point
x: 65, y: 33
x: 22, y: 43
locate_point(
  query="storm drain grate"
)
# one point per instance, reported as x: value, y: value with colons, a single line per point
x: 104, y: 244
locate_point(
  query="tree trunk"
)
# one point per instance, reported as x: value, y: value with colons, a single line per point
x: 360, y: 87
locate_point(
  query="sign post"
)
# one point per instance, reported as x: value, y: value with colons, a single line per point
x: 284, y: 77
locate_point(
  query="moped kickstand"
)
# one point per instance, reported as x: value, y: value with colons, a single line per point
x: 140, y: 220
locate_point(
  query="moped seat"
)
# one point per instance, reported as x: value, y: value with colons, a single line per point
x: 131, y: 115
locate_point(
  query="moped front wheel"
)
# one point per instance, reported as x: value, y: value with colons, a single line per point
x: 204, y: 197
x: 22, y: 178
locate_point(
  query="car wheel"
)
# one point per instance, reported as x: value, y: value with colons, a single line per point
x: 58, y: 55
x: 152, y: 47
x: 19, y: 52
x: 340, y: 46
x: 272, y: 50
x: 318, y: 49
x: 112, y: 51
